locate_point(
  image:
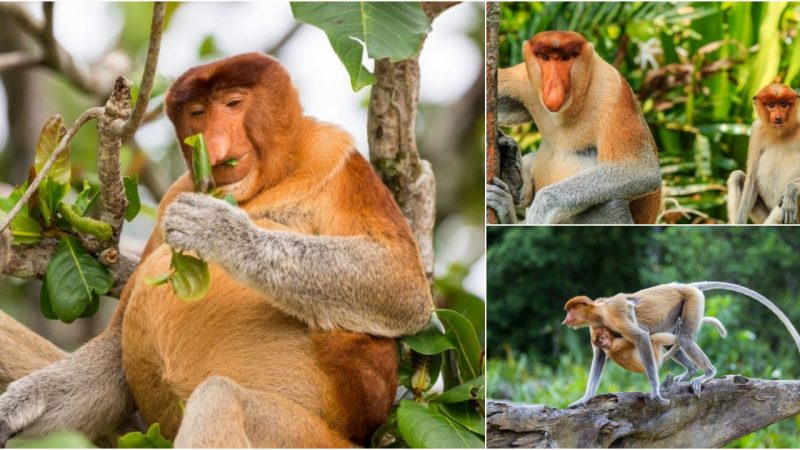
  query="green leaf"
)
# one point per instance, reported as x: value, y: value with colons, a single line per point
x: 44, y: 302
x: 201, y: 164
x: 208, y: 47
x: 157, y: 280
x: 465, y: 414
x: 191, y: 279
x: 430, y: 341
x: 391, y: 30
x: 425, y: 426
x: 461, y: 333
x: 96, y: 228
x: 132, y: 193
x: 52, y: 133
x: 469, y: 390
x: 153, y: 439
x: 231, y: 200
x: 86, y: 199
x: 51, y: 193
x: 24, y: 229
x: 58, y: 439
x: 73, y: 278
x: 92, y: 307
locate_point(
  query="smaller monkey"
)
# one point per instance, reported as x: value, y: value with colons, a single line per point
x: 768, y: 192
x: 623, y: 352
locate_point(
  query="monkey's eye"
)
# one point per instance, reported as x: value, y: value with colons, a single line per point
x: 233, y: 103
x: 565, y: 57
x: 197, y: 112
x: 770, y: 106
x: 545, y: 58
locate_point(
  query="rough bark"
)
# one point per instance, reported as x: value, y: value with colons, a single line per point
x: 492, y: 158
x: 393, y: 147
x: 727, y: 409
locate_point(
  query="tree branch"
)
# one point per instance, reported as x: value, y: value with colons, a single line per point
x: 18, y: 60
x: 727, y: 409
x: 146, y: 86
x: 492, y: 156
x: 393, y: 148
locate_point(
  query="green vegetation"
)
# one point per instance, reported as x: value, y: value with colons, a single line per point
x: 694, y: 67
x: 533, y: 271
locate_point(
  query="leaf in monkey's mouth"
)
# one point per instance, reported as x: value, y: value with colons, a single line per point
x: 231, y: 162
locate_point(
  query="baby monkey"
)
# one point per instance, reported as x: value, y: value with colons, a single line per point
x: 624, y: 353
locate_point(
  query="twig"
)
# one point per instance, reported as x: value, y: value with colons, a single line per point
x: 18, y: 60
x: 283, y: 40
x: 151, y: 62
x: 92, y: 113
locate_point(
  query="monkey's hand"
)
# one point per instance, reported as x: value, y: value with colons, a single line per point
x: 510, y: 166
x: 500, y: 200
x: 203, y: 224
x: 789, y: 204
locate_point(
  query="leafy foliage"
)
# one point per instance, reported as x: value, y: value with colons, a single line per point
x: 695, y: 67
x: 391, y: 30
x: 153, y: 439
x: 455, y: 417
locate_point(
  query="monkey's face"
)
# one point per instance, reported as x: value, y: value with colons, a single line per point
x: 602, y: 338
x: 551, y: 58
x: 578, y: 312
x: 775, y: 105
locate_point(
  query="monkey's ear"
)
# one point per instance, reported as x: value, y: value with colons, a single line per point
x: 513, y: 88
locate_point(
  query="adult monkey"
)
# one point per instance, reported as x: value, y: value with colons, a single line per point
x: 597, y: 162
x: 768, y: 193
x: 310, y: 280
x: 655, y: 310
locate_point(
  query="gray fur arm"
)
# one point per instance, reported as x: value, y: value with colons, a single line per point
x: 598, y: 362
x: 86, y: 391
x: 600, y: 184
x: 645, y: 348
x: 501, y: 201
x: 352, y: 283
x: 788, y: 202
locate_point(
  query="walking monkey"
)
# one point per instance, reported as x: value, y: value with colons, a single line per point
x: 311, y: 278
x: 624, y: 352
x: 768, y: 193
x: 656, y: 310
x: 597, y: 162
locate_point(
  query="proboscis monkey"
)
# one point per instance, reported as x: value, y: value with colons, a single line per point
x: 311, y: 278
x: 656, y: 310
x: 597, y: 162
x: 768, y: 193
x: 624, y: 353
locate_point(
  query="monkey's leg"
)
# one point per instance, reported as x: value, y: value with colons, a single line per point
x: 691, y: 319
x: 616, y: 211
x: 221, y: 413
x: 642, y: 342
x: 85, y: 391
x: 598, y: 362
x: 23, y: 351
x: 681, y: 358
x: 775, y: 216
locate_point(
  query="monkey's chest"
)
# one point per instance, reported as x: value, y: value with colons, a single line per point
x: 777, y: 167
x: 553, y: 165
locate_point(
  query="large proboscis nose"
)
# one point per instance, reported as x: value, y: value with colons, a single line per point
x: 554, y: 98
x: 555, y: 86
x: 219, y: 146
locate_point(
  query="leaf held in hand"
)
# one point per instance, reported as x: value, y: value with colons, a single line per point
x: 201, y: 164
x: 191, y: 279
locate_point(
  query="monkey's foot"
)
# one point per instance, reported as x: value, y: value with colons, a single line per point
x: 684, y: 377
x: 579, y: 402
x: 661, y: 400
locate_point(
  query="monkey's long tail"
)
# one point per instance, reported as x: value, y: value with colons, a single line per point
x: 712, y: 285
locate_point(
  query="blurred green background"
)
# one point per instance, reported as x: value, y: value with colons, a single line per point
x: 694, y: 67
x: 533, y: 271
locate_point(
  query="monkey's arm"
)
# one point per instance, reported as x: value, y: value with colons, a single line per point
x: 354, y: 283
x: 597, y: 185
x: 86, y: 391
x: 749, y: 192
x: 598, y: 362
x: 788, y: 202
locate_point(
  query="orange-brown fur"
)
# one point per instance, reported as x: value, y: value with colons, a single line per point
x: 624, y: 353
x: 563, y: 81
x: 309, y: 180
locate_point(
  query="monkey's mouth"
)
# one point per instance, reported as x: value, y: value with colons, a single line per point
x: 232, y: 169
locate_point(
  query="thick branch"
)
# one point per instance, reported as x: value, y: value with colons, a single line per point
x: 727, y: 409
x: 393, y: 148
x: 18, y: 60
